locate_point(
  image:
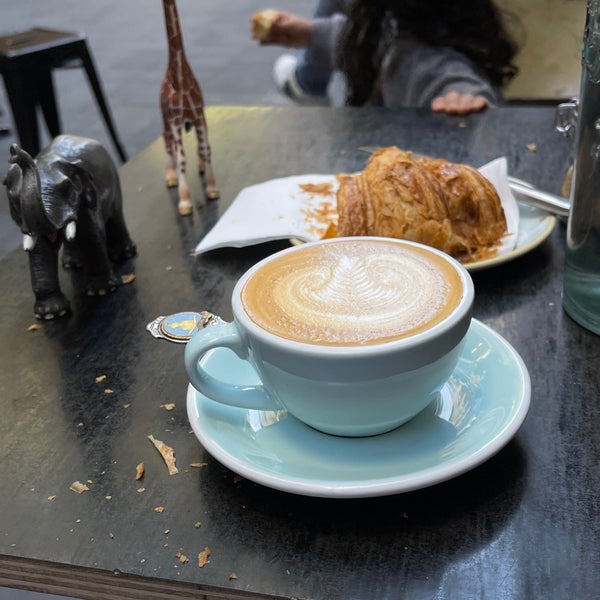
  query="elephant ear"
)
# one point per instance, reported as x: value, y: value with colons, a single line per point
x: 14, y: 185
x: 84, y: 180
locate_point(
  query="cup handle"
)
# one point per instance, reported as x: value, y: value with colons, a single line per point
x: 224, y: 335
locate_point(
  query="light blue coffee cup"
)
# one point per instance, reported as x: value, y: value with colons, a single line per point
x: 358, y: 390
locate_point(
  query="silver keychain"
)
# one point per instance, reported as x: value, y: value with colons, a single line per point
x: 180, y: 327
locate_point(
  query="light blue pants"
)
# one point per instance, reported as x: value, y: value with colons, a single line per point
x: 312, y: 78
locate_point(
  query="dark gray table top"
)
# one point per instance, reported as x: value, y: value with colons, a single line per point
x: 522, y: 525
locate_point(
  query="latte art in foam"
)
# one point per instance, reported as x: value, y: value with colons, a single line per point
x: 352, y: 294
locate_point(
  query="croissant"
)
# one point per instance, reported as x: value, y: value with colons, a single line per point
x: 447, y: 205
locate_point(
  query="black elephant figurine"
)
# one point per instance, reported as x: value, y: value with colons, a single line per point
x: 70, y: 193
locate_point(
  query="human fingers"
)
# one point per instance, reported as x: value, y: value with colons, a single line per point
x: 445, y: 103
x: 454, y: 103
x: 467, y: 103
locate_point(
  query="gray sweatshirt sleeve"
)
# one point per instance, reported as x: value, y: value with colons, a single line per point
x: 324, y: 39
x: 413, y: 74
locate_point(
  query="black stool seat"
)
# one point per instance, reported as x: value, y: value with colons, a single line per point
x: 26, y: 62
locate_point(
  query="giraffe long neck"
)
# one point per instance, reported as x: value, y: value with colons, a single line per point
x: 174, y: 37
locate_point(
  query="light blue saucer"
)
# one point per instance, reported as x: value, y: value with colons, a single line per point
x: 480, y: 409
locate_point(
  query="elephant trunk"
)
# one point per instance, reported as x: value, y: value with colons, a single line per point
x: 33, y: 216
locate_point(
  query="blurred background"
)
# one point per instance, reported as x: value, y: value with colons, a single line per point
x: 128, y: 44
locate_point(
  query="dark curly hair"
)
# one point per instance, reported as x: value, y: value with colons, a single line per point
x: 473, y: 27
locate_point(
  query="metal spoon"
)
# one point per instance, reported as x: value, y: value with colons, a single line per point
x: 544, y: 200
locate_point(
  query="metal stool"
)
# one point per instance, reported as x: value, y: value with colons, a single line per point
x: 26, y: 62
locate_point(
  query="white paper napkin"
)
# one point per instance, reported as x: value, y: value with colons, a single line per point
x: 281, y: 209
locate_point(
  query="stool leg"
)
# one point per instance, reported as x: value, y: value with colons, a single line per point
x: 23, y: 103
x: 86, y: 58
x: 47, y: 100
x: 4, y: 128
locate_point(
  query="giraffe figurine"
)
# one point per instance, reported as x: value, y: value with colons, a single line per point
x: 181, y: 104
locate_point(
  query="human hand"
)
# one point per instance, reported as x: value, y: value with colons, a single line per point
x: 454, y: 103
x: 289, y: 30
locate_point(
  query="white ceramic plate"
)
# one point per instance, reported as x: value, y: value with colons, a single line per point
x: 479, y: 410
x: 535, y: 225
x: 282, y: 208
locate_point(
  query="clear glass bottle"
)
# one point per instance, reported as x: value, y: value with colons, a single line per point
x: 581, y: 293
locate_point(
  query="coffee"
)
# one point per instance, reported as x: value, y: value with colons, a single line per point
x: 328, y: 329
x: 346, y: 293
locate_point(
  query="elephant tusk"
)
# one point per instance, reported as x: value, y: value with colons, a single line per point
x: 70, y: 231
x: 28, y: 242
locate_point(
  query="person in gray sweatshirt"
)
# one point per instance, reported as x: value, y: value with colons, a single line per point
x: 453, y: 57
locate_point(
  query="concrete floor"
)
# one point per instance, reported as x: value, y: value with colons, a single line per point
x: 128, y: 42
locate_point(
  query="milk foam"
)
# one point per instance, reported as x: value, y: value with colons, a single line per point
x: 350, y: 293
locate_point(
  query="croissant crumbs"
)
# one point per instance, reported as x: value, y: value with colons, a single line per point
x: 449, y: 206
x: 317, y: 189
x: 167, y: 453
x: 320, y: 218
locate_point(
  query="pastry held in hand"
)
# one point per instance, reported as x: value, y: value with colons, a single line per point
x: 449, y: 206
x: 262, y: 22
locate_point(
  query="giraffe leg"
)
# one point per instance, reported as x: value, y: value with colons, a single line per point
x: 171, y: 176
x: 210, y: 185
x: 170, y: 173
x: 204, y: 159
x: 185, y: 204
